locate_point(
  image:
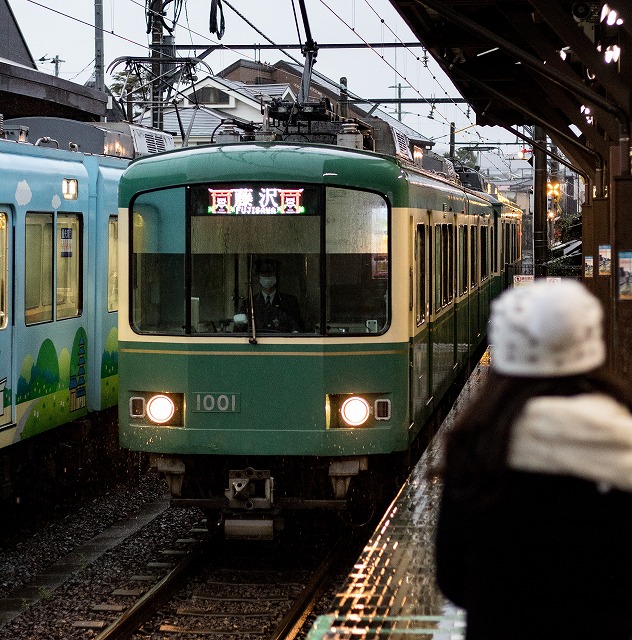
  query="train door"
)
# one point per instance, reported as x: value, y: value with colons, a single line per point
x: 474, y: 285
x: 6, y: 325
x: 420, y: 384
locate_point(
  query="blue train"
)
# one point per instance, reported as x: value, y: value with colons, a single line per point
x: 58, y: 280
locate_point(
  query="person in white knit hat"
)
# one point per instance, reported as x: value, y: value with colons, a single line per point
x: 534, y: 535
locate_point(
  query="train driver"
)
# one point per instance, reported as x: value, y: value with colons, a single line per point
x: 274, y: 310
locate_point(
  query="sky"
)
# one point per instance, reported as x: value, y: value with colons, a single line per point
x: 65, y: 30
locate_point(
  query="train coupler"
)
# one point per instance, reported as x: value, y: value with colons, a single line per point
x: 250, y: 489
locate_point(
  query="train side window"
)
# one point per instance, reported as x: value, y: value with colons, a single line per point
x: 4, y: 270
x: 493, y: 249
x: 113, y: 263
x: 438, y: 297
x: 38, y: 288
x: 463, y: 259
x: 420, y: 259
x: 431, y: 282
x: 448, y: 261
x: 68, y: 252
x: 473, y: 256
x: 484, y: 255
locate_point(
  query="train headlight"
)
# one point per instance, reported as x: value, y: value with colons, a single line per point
x: 355, y: 411
x: 160, y: 409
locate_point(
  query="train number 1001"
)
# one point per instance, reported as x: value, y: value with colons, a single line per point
x: 212, y: 402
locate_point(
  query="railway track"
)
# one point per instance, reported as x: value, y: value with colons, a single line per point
x: 162, y: 576
x: 188, y: 553
x: 238, y: 591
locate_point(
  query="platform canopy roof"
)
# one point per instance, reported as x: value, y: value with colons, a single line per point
x: 537, y: 62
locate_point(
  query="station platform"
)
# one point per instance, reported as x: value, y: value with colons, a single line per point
x: 391, y: 592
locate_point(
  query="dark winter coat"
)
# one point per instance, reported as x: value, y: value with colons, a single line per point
x: 552, y: 559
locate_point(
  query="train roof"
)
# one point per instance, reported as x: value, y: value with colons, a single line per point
x: 291, y: 162
x: 288, y: 162
x: 9, y: 148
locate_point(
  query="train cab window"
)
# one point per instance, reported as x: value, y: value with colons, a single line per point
x: 4, y: 270
x: 38, y: 288
x: 357, y: 264
x: 113, y: 263
x: 420, y: 275
x: 158, y: 240
x: 259, y: 259
x: 68, y: 257
x: 255, y: 259
x: 473, y: 256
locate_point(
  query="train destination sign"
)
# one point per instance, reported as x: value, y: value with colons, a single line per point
x: 256, y: 201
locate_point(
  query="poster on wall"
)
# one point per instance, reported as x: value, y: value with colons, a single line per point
x: 521, y: 281
x: 588, y: 267
x: 604, y: 260
x: 625, y: 275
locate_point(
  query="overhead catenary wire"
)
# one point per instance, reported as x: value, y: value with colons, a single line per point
x: 181, y: 4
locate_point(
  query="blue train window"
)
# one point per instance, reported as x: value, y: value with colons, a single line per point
x: 68, y: 258
x: 4, y: 270
x: 38, y: 292
x: 45, y: 249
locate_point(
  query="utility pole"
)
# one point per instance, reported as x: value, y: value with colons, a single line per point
x: 540, y: 248
x: 399, y: 88
x: 99, y: 66
x: 56, y: 61
x: 155, y: 27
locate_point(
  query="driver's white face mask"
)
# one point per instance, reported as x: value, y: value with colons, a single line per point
x: 267, y: 282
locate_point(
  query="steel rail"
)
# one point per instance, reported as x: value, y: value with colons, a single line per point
x: 146, y: 606
x: 294, y: 620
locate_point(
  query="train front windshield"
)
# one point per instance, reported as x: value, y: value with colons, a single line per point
x: 260, y: 258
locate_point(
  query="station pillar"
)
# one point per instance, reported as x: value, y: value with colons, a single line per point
x: 621, y: 290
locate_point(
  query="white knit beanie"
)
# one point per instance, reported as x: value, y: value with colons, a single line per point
x: 546, y: 329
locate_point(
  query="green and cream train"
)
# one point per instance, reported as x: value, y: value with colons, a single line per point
x: 384, y: 276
